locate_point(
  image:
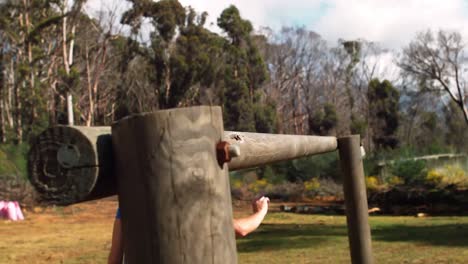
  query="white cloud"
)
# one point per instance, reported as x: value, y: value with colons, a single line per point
x: 272, y: 13
x: 95, y: 8
x: 393, y: 23
x: 381, y: 66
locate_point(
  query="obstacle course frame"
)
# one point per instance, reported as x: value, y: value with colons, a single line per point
x: 169, y: 163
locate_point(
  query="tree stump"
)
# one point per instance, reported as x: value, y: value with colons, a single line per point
x: 174, y: 196
x: 69, y: 164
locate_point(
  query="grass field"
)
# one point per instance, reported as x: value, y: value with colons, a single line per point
x: 81, y: 234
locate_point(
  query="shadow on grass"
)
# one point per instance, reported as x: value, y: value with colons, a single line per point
x: 290, y: 236
x: 449, y: 235
x: 296, y: 236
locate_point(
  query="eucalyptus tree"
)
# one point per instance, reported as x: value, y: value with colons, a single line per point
x: 24, y: 25
x: 183, y: 57
x: 384, y: 113
x: 244, y: 73
x: 295, y: 59
x: 456, y: 134
x: 437, y: 60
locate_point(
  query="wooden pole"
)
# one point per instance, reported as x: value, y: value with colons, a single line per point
x: 258, y: 149
x: 174, y: 197
x: 355, y: 200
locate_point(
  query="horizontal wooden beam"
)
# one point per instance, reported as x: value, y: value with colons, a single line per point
x: 257, y: 149
x: 59, y: 158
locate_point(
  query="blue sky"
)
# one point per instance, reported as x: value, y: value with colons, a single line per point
x: 296, y: 15
x: 393, y: 23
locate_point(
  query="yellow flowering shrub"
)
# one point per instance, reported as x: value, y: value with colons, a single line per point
x: 372, y: 183
x: 236, y: 184
x: 448, y: 175
x: 395, y: 180
x: 311, y: 185
x: 258, y: 185
x: 434, y: 176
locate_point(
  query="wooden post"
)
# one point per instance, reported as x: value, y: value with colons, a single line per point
x: 70, y: 164
x: 174, y: 198
x: 355, y: 200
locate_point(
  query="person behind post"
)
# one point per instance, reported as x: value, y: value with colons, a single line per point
x: 242, y: 227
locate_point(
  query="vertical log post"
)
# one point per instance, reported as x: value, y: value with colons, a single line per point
x: 355, y: 200
x: 174, y: 197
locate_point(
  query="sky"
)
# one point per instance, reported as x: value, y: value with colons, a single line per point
x: 392, y: 23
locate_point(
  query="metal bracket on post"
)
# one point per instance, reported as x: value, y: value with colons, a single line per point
x: 225, y: 152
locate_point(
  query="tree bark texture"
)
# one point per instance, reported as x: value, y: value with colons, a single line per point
x: 174, y: 197
x: 71, y: 164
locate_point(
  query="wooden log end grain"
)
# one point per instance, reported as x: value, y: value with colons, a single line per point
x: 70, y: 164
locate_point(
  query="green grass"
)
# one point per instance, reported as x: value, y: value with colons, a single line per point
x: 289, y: 238
x: 82, y: 234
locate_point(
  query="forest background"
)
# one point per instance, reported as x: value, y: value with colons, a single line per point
x: 55, y: 59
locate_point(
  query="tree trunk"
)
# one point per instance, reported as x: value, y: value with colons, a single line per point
x: 174, y: 197
x: 71, y: 120
x: 16, y: 92
x: 67, y: 61
x: 52, y: 105
x: 464, y: 110
x: 2, y: 120
x: 18, y: 110
x: 2, y: 99
x: 31, y: 95
x: 32, y: 88
x: 90, y: 114
x: 9, y: 99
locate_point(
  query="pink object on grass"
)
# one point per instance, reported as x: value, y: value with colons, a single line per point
x: 11, y: 211
x: 2, y: 209
x: 19, y: 213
